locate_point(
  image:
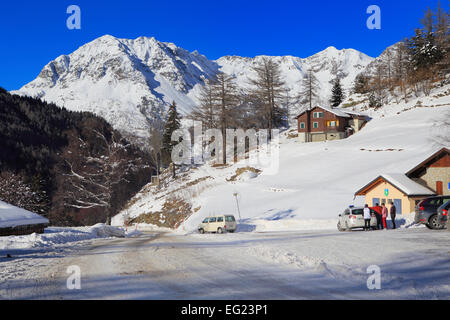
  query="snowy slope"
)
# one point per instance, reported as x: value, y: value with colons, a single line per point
x: 131, y: 82
x: 346, y: 63
x: 315, y: 180
x: 11, y: 216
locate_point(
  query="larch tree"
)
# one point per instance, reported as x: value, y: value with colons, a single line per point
x: 269, y: 88
x: 207, y: 110
x: 227, y: 100
x: 287, y: 104
x: 401, y: 69
x: 361, y: 84
x: 309, y: 90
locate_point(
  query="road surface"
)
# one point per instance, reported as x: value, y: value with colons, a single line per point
x: 413, y: 263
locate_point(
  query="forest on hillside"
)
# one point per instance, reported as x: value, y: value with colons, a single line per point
x: 71, y: 167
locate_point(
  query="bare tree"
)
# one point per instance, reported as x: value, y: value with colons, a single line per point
x: 207, y: 110
x: 92, y: 184
x: 155, y: 146
x: 309, y: 90
x: 269, y: 89
x: 287, y: 104
x: 378, y: 84
x: 401, y: 69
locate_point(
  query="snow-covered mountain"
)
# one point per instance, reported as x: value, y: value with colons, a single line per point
x: 131, y: 82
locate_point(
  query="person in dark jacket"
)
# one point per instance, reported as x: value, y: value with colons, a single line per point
x: 377, y: 210
x: 393, y: 212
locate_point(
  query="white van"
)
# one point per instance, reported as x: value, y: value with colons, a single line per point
x: 219, y: 224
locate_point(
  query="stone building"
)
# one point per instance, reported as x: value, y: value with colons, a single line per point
x: 434, y: 172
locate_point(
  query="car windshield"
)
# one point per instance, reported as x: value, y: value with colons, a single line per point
x: 206, y: 220
x: 229, y: 219
x: 358, y: 212
x: 432, y: 202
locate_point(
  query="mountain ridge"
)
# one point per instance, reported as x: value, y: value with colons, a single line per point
x: 130, y: 82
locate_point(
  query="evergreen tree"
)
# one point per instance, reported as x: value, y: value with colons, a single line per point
x: 172, y: 124
x: 337, y: 95
x: 374, y: 102
x: 423, y: 48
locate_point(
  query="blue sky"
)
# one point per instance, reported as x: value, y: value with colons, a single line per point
x: 34, y: 33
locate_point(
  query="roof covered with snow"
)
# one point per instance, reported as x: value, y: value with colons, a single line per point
x: 405, y: 184
x: 428, y: 160
x: 401, y: 182
x: 337, y: 111
x: 11, y: 216
x: 340, y: 112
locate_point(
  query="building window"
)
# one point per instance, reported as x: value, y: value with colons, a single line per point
x: 318, y: 115
x: 332, y: 123
x: 315, y: 125
x: 302, y: 125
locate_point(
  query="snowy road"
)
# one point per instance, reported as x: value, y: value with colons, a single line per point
x: 414, y: 263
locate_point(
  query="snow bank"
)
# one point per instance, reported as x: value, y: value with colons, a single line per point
x: 56, y: 236
x: 263, y: 225
x: 11, y: 216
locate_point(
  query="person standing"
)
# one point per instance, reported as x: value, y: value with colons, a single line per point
x: 367, y: 217
x: 384, y: 213
x: 393, y: 212
x: 378, y: 215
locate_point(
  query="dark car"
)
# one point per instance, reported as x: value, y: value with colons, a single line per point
x: 426, y: 211
x: 442, y: 213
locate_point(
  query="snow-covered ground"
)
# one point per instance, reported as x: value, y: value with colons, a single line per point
x: 315, y: 181
x: 413, y: 263
x: 56, y: 236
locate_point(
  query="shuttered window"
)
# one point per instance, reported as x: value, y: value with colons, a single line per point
x: 332, y: 123
x: 318, y: 115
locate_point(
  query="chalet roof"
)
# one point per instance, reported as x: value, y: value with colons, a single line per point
x: 11, y: 216
x: 427, y: 161
x: 401, y: 182
x: 340, y: 112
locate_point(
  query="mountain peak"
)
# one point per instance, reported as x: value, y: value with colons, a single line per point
x: 131, y: 82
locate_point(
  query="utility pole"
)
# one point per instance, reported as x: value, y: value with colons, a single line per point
x: 237, y: 203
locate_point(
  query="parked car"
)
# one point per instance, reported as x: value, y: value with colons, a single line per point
x: 353, y: 218
x: 219, y: 224
x: 442, y: 213
x: 426, y: 211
